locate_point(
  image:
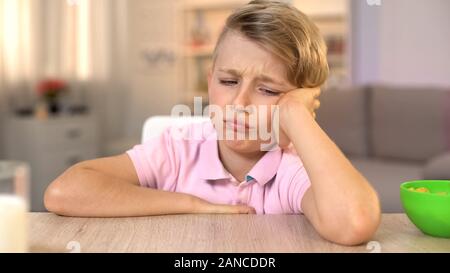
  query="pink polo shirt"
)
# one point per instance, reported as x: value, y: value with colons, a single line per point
x: 191, y: 164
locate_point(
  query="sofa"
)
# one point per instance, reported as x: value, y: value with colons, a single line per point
x: 391, y: 134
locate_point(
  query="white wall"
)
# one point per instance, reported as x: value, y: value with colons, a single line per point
x: 364, y: 32
x: 401, y: 42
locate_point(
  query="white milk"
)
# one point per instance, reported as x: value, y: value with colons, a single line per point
x: 13, y: 224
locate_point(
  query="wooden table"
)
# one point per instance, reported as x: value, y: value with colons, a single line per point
x: 214, y: 233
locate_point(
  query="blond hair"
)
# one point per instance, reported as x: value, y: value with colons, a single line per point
x: 286, y: 32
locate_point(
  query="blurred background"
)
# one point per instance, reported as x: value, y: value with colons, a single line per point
x: 78, y: 78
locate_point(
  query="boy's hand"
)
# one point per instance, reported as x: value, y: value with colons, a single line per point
x: 292, y: 103
x: 232, y: 209
x: 203, y: 206
x: 308, y: 98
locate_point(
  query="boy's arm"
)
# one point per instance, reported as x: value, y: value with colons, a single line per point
x: 340, y: 203
x: 109, y: 187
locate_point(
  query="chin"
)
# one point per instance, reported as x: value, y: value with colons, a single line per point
x: 243, y: 146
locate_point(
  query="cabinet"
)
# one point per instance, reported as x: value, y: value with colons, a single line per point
x: 332, y: 17
x: 49, y: 146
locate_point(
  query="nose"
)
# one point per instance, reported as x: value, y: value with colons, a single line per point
x: 242, y: 97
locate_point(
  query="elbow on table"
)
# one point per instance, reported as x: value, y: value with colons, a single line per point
x: 360, y: 229
x: 60, y: 194
x: 54, y: 198
x: 360, y: 233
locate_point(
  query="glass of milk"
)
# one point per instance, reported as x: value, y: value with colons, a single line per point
x: 14, y: 180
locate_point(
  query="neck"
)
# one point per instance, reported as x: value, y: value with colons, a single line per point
x: 238, y: 164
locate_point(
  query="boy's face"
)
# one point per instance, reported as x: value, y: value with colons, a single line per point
x: 245, y: 79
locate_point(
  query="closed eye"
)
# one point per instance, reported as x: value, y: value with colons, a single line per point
x: 228, y: 82
x: 268, y: 92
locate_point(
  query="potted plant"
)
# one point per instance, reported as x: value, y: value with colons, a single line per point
x: 50, y: 90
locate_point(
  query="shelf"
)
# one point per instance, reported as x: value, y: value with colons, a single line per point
x: 195, y: 5
x: 200, y: 51
x: 329, y: 8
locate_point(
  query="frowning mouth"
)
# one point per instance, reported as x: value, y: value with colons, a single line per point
x: 237, y: 125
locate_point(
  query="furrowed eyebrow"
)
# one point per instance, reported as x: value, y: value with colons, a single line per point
x: 264, y: 78
x: 233, y: 72
x: 268, y: 79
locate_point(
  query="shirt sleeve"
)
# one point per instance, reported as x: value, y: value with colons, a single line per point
x: 293, y: 185
x: 297, y: 188
x: 156, y: 162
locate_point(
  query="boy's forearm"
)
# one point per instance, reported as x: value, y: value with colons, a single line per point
x: 321, y: 157
x: 339, y: 189
x: 89, y: 193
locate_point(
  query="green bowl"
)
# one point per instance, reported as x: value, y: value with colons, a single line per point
x: 429, y: 211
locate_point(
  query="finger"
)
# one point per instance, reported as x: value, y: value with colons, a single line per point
x: 231, y: 209
x: 245, y: 209
x: 250, y: 210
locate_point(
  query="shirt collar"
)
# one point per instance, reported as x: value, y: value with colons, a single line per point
x: 263, y: 171
x: 266, y: 168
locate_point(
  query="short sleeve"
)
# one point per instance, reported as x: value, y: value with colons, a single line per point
x: 156, y: 162
x: 293, y: 184
x: 297, y: 188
